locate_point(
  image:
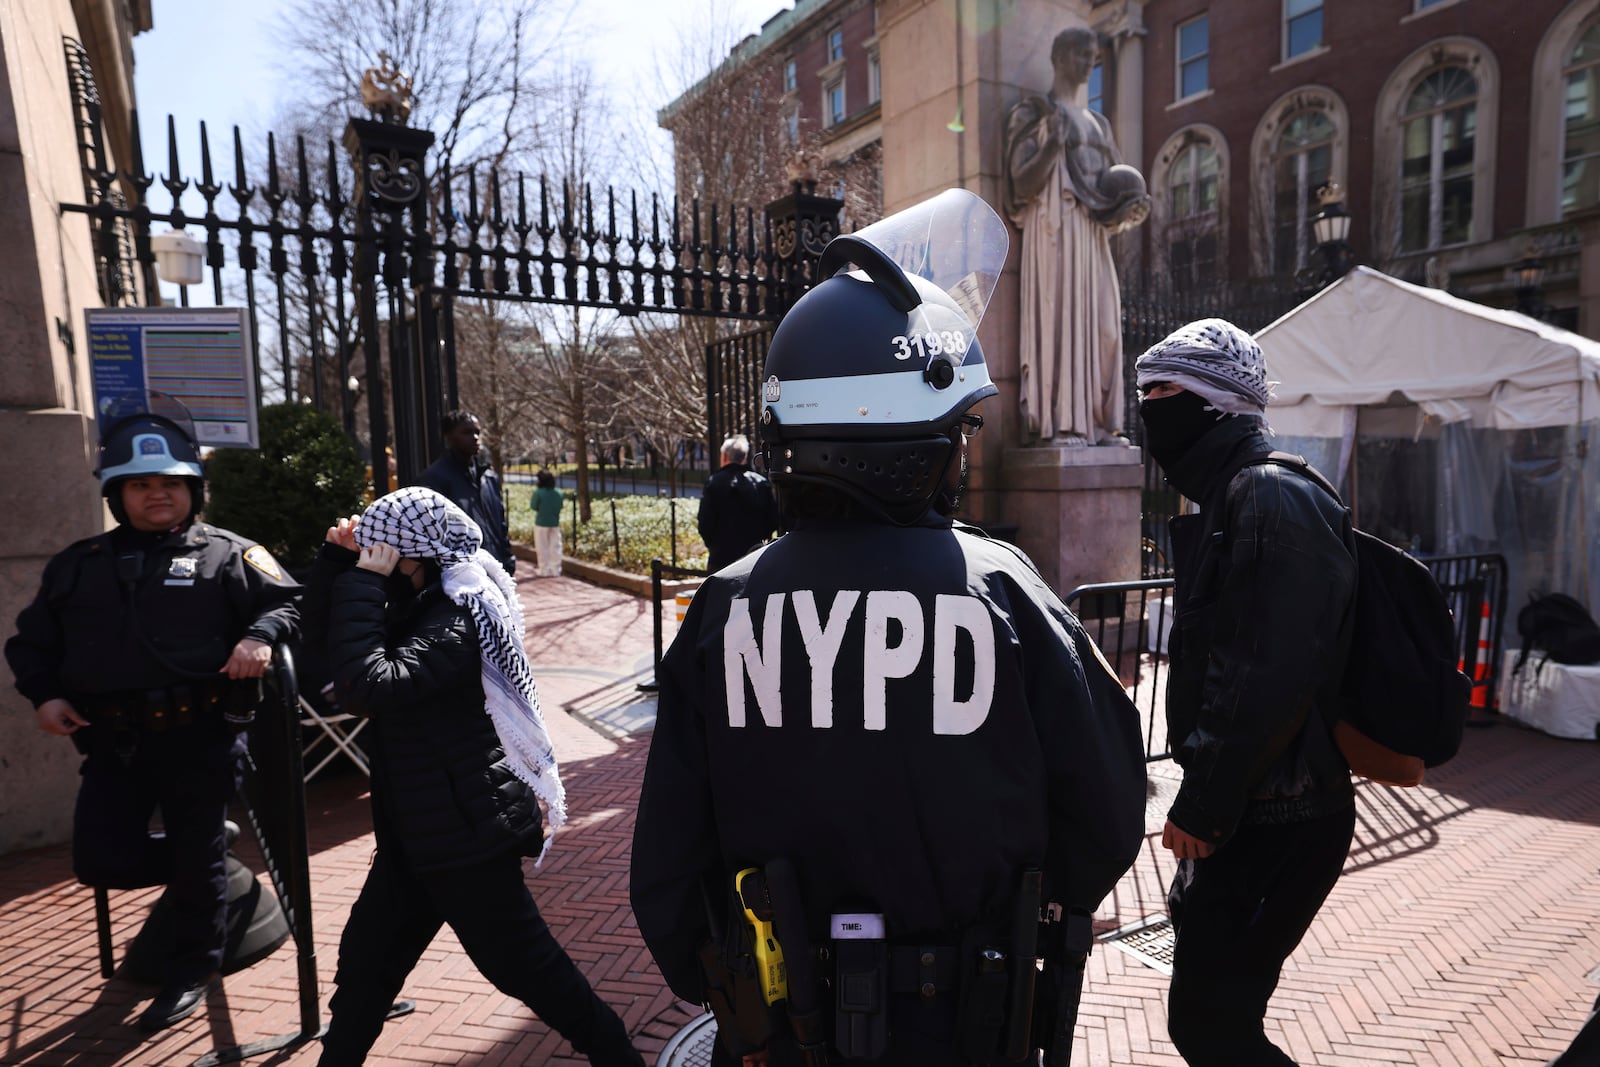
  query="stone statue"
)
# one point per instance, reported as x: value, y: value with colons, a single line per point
x: 385, y: 91
x: 1069, y: 192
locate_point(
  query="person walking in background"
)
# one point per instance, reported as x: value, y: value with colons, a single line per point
x: 465, y: 475
x: 1265, y: 577
x: 737, y: 509
x: 547, y: 503
x: 136, y: 644
x: 424, y: 638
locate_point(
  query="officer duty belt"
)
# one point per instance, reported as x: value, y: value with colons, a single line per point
x: 156, y: 710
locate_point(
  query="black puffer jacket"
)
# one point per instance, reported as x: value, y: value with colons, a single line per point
x: 442, y: 793
x: 1265, y: 578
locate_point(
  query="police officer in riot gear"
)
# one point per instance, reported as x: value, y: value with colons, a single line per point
x: 884, y: 721
x: 139, y: 645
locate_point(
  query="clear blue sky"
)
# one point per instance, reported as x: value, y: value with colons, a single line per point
x: 211, y: 60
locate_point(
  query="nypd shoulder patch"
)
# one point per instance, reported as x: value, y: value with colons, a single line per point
x: 262, y: 560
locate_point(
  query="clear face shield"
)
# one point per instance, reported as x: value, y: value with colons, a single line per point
x: 954, y: 240
x: 114, y: 410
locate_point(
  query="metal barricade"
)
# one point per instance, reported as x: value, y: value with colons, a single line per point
x: 660, y: 571
x: 1475, y: 587
x: 1130, y: 622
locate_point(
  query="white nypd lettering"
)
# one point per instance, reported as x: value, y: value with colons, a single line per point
x: 884, y: 661
x: 952, y: 715
x: 822, y: 646
x: 893, y: 637
x: 741, y: 656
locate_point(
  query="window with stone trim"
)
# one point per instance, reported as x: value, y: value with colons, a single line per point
x: 1438, y: 138
x: 1194, y: 57
x: 1580, y: 140
x: 1302, y: 27
x: 1193, y: 217
x: 1302, y: 161
x: 833, y: 111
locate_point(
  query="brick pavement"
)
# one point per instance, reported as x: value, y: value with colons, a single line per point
x: 1463, y: 933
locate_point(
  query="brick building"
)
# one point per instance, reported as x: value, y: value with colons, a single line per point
x: 799, y: 99
x: 1465, y: 134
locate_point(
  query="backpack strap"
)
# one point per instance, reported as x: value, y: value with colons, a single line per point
x: 1295, y: 463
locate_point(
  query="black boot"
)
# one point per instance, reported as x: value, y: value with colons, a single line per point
x: 176, y: 1001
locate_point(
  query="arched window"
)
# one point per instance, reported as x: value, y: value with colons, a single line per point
x: 1580, y: 151
x: 1302, y: 160
x: 1192, y: 228
x: 1438, y: 137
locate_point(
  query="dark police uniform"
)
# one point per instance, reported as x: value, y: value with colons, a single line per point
x: 132, y: 629
x: 911, y: 717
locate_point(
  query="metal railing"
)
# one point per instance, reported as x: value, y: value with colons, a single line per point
x: 1130, y: 622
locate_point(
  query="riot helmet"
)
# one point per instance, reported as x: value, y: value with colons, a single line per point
x: 146, y: 436
x: 870, y: 372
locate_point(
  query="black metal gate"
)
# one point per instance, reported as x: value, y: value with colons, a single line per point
x: 367, y: 250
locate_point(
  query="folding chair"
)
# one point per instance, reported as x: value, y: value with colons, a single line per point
x: 336, y: 729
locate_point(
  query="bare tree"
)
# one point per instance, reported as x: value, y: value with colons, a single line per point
x: 474, y: 67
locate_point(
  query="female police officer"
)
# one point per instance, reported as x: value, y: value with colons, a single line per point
x: 130, y: 648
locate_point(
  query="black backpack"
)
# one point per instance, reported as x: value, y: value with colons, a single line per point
x: 1559, y: 626
x: 1403, y: 702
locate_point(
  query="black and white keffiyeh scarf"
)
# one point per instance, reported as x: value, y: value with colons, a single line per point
x: 421, y: 524
x: 1214, y: 358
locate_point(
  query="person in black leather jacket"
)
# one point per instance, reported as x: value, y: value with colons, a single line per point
x: 419, y: 626
x: 1265, y: 577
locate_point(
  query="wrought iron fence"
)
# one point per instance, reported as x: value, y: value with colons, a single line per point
x: 359, y: 255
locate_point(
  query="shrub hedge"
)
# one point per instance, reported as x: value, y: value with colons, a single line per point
x: 626, y: 532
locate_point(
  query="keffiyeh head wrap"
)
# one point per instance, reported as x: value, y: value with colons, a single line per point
x: 421, y: 524
x: 1214, y: 358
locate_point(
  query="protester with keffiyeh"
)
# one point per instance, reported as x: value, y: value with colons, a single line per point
x: 1265, y: 577
x: 423, y: 633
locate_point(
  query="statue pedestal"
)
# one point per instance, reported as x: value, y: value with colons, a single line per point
x: 1076, y: 509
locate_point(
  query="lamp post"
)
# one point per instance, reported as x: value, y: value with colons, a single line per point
x: 1330, y: 227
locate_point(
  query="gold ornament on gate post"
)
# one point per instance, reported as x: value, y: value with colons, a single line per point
x: 386, y: 92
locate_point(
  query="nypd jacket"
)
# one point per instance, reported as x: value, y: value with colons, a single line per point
x: 475, y: 490
x: 128, y: 611
x: 442, y: 793
x: 737, y: 513
x: 1265, y: 577
x: 909, y: 715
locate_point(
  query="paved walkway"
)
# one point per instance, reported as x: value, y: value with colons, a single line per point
x: 1465, y: 932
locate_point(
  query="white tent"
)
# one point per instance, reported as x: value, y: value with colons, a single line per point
x: 1456, y: 427
x: 1371, y: 339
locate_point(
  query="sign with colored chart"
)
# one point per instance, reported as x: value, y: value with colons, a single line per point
x: 199, y: 356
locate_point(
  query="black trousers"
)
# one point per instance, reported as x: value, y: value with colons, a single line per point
x: 1238, y: 915
x: 190, y: 773
x: 498, y: 924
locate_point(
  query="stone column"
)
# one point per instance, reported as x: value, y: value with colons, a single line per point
x: 1076, y: 509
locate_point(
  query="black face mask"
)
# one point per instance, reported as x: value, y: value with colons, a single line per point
x: 398, y: 588
x: 1173, y: 424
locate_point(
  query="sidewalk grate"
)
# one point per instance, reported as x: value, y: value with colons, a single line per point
x: 1151, y: 941
x: 690, y: 1046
